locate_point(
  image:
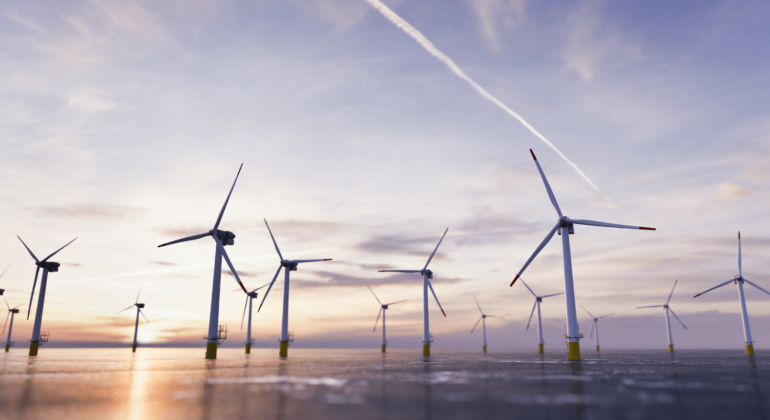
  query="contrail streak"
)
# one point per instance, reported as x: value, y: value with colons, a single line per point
x: 425, y: 43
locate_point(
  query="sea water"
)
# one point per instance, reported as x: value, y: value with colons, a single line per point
x: 163, y: 383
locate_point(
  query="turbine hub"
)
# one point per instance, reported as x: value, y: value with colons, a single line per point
x: 14, y: 311
x: 227, y: 238
x: 289, y: 265
x: 1, y: 291
x: 140, y: 305
x: 253, y: 295
x: 51, y: 266
x: 384, y: 306
x: 565, y: 223
x: 483, y: 316
x: 428, y: 273
x: 539, y: 299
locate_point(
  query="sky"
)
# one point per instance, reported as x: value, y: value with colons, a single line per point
x: 124, y: 124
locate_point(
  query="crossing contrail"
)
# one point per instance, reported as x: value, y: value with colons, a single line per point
x: 425, y: 43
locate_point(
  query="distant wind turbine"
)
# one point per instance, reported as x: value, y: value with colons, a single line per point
x: 483, y: 321
x: 250, y: 296
x: 739, y: 280
x: 47, y: 266
x: 426, y: 276
x: 668, y: 321
x: 538, y: 300
x: 596, y: 325
x: 383, y: 309
x: 222, y: 239
x: 139, y: 307
x: 11, y: 313
x: 288, y: 266
x: 566, y: 227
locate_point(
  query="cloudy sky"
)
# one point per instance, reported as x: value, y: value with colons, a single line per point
x: 124, y: 124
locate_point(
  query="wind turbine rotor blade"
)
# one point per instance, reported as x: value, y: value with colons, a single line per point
x: 653, y: 306
x: 677, y: 318
x: 375, y: 296
x: 554, y: 294
x: 145, y: 318
x: 589, y: 313
x: 28, y: 250
x: 605, y: 316
x: 127, y: 308
x: 478, y: 306
x: 37, y: 270
x: 430, y: 286
x: 189, y: 238
x: 222, y: 212
x: 140, y: 291
x: 399, y: 271
x: 274, y: 242
x: 530, y: 290
x: 244, y: 310
x: 592, y: 329
x: 477, y: 324
x: 57, y: 251
x: 271, y: 286
x: 715, y: 287
x: 17, y: 307
x: 230, y: 264
x: 537, y: 251
x: 434, y: 251
x: 740, y: 272
x: 6, y: 303
x: 752, y: 283
x: 393, y: 303
x: 532, y: 313
x: 6, y: 321
x: 6, y: 269
x: 603, y: 224
x: 377, y: 320
x: 672, y: 291
x: 309, y: 261
x: 547, y: 185
x: 260, y: 287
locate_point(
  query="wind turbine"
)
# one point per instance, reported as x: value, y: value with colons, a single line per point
x: 538, y: 300
x: 426, y: 276
x: 668, y: 321
x: 11, y: 313
x: 483, y: 321
x: 739, y: 280
x: 249, y: 297
x: 596, y: 325
x: 288, y: 266
x: 139, y: 307
x: 47, y: 266
x: 566, y: 227
x: 383, y: 308
x: 222, y: 239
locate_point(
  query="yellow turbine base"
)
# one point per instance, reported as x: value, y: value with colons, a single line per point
x: 540, y: 348
x: 426, y: 349
x: 573, y: 350
x: 33, y: 346
x: 248, y: 348
x: 8, y: 347
x: 671, y: 348
x: 383, y: 348
x: 485, y: 349
x: 749, y: 349
x: 284, y: 349
x: 133, y: 348
x: 597, y: 348
x: 211, y: 350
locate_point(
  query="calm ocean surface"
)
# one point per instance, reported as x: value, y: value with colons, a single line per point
x: 364, y: 384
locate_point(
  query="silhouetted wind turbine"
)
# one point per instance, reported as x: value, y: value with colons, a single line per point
x: 250, y: 296
x: 739, y: 280
x: 139, y: 307
x: 426, y: 276
x: 538, y: 301
x: 668, y: 321
x: 383, y: 309
x: 565, y: 226
x: 596, y: 325
x: 11, y: 313
x: 288, y: 266
x: 483, y: 321
x: 222, y: 239
x: 47, y: 266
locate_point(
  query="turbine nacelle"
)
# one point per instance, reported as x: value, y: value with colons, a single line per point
x: 289, y: 265
x: 2, y: 291
x: 427, y: 273
x: 51, y: 266
x: 14, y: 311
x: 567, y: 223
x: 140, y: 305
x: 252, y: 295
x: 227, y: 238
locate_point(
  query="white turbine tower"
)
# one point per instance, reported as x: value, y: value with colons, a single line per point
x: 288, y: 266
x: 383, y: 308
x: 139, y: 307
x: 596, y: 325
x: 250, y: 296
x: 426, y: 276
x: 538, y: 301
x: 565, y: 226
x: 47, y: 266
x: 739, y: 280
x: 222, y: 239
x: 668, y: 321
x: 11, y: 313
x: 483, y: 321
